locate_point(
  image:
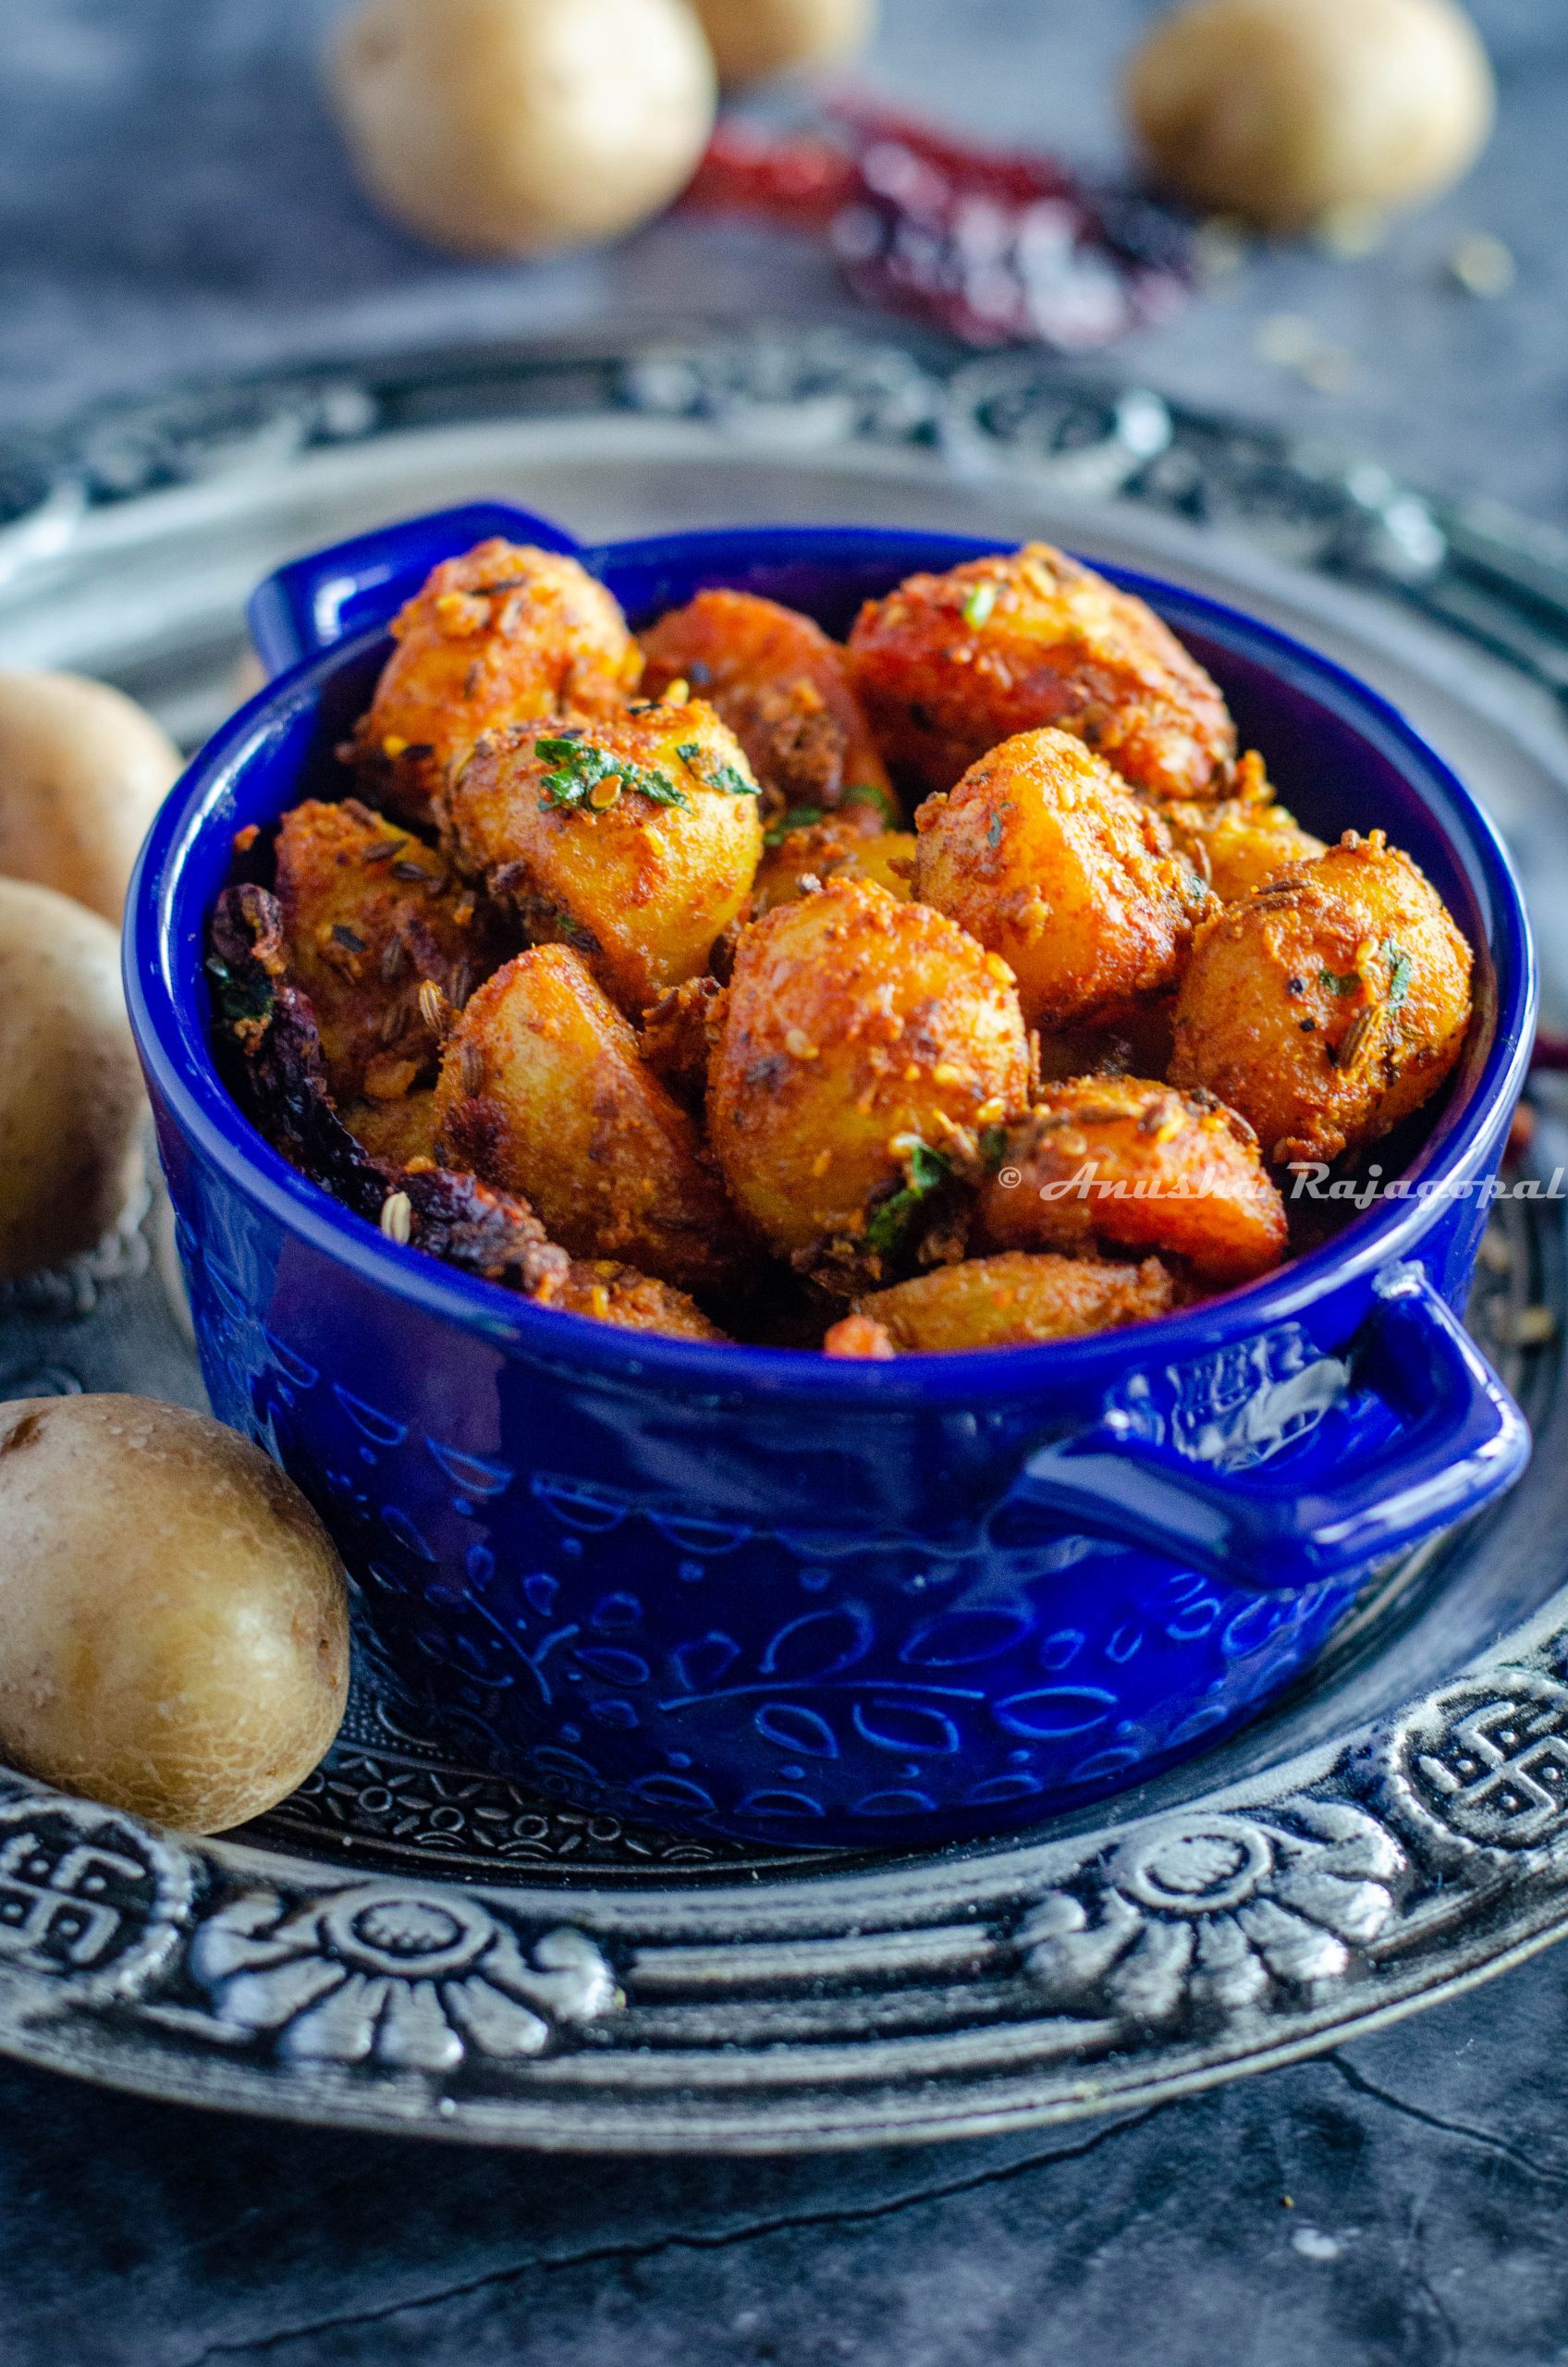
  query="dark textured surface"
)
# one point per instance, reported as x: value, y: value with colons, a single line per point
x: 171, y: 200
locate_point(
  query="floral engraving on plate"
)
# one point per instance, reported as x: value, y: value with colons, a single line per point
x: 1486, y: 1760
x: 86, y: 1897
x: 1213, y: 1913
x: 408, y: 1980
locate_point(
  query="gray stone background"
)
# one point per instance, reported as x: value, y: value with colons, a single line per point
x: 173, y: 204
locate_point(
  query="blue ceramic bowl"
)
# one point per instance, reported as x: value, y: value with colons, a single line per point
x: 760, y: 1593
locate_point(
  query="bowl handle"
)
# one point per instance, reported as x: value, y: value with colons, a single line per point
x: 314, y: 603
x: 1465, y: 1441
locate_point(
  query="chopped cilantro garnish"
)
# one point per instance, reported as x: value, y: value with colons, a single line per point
x: 866, y: 792
x: 1347, y: 984
x: 993, y: 1145
x: 799, y: 818
x: 978, y: 605
x: 926, y: 1171
x: 725, y: 777
x: 994, y: 829
x: 733, y: 783
x: 580, y: 766
x: 1401, y: 970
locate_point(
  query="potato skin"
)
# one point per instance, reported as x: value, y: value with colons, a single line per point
x: 173, y: 1629
x: 1049, y: 859
x: 609, y: 1293
x: 641, y: 889
x: 852, y: 1023
x: 1011, y: 1300
x: 753, y: 39
x: 850, y: 845
x: 544, y: 1093
x: 522, y: 126
x: 83, y: 770
x: 1175, y: 1173
x: 370, y: 915
x: 1276, y: 111
x: 783, y: 688
x: 949, y: 666
x: 501, y: 635
x: 71, y: 1101
x: 1328, y: 1007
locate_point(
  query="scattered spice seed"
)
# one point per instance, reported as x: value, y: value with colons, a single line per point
x: 472, y: 1063
x: 432, y: 1006
x: 414, y: 873
x: 345, y: 937
x: 1353, y: 1040
x: 393, y: 958
x: 397, y: 1216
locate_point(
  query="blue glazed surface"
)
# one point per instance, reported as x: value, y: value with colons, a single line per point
x: 755, y: 1592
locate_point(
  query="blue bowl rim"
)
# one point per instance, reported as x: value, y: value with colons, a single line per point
x: 173, y: 1038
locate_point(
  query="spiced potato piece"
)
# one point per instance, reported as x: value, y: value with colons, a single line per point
x: 1131, y: 1164
x: 864, y: 1041
x: 543, y: 1092
x: 610, y: 1292
x: 502, y: 635
x: 1005, y: 1302
x: 1240, y: 843
x: 1047, y: 858
x: 851, y: 844
x: 371, y: 916
x: 1328, y: 1007
x: 784, y: 689
x: 396, y: 1132
x: 948, y: 666
x: 634, y: 839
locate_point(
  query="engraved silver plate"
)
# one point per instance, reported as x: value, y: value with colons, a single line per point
x: 411, y: 1944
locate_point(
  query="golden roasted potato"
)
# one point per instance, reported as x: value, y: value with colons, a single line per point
x: 71, y: 1099
x: 859, y: 1339
x: 1006, y: 1302
x: 619, y: 1294
x: 948, y: 666
x: 1243, y: 842
x: 1047, y: 858
x: 1327, y: 1008
x: 544, y: 1093
x: 372, y: 917
x: 174, y: 1621
x: 862, y: 1043
x: 83, y: 769
x: 851, y: 844
x: 676, y: 1037
x: 1134, y: 1164
x: 505, y: 635
x: 784, y: 690
x: 634, y: 839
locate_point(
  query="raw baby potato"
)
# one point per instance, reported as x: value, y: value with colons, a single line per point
x: 753, y: 39
x: 524, y: 127
x: 173, y: 1629
x: 1282, y: 111
x: 71, y: 1090
x: 82, y: 771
